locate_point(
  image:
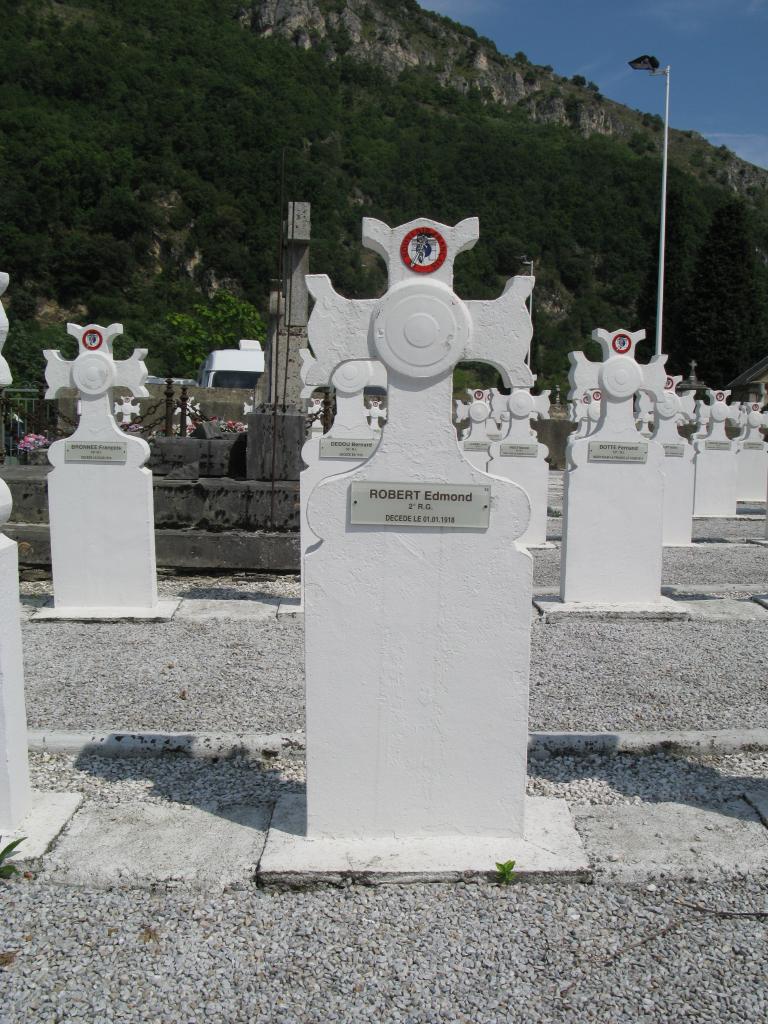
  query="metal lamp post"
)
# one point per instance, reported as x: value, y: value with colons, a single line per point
x: 651, y: 64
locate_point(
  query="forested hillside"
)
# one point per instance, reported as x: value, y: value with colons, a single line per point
x: 140, y: 154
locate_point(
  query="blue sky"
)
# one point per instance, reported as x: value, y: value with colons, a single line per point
x: 717, y: 49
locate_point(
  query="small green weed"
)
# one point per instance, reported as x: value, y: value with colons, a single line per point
x: 7, y: 870
x: 505, y: 872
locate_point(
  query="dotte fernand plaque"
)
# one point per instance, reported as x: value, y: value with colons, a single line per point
x: 618, y: 451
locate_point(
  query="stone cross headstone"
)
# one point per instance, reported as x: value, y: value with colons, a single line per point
x: 672, y: 411
x: 584, y: 410
x: 613, y: 484
x: 315, y: 413
x: 15, y: 792
x: 127, y: 407
x: 377, y: 414
x: 399, y: 743
x: 475, y: 443
x: 715, y: 460
x: 99, y: 493
x: 752, y: 455
x: 519, y: 456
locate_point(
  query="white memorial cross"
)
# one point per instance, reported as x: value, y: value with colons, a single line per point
x: 521, y: 458
x: 475, y: 444
x: 398, y: 743
x: 127, y: 407
x: 752, y: 456
x: 15, y: 792
x: 99, y: 493
x: 377, y: 414
x: 315, y: 414
x: 584, y: 410
x: 672, y: 411
x: 613, y: 484
x: 715, y: 460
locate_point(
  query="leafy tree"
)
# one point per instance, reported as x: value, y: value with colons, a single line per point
x: 726, y: 306
x: 219, y: 323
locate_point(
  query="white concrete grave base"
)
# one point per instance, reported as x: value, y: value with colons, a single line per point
x: 553, y: 609
x: 161, y: 612
x: 47, y: 815
x: 551, y: 846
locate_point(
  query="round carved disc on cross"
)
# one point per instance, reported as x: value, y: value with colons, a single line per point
x: 421, y: 330
x: 479, y: 411
x: 93, y: 373
x: 521, y: 404
x: 352, y: 376
x: 668, y: 405
x: 718, y: 412
x: 620, y: 377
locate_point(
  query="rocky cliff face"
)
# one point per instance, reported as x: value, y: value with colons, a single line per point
x: 398, y: 35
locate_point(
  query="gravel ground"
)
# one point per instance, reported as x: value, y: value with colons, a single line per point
x: 456, y: 953
x: 240, y: 677
x: 416, y: 954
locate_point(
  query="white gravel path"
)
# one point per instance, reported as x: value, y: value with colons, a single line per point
x: 441, y: 953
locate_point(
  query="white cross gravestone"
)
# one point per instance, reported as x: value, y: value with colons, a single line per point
x: 752, y: 456
x: 613, y: 489
x: 315, y: 414
x: 127, y: 407
x: 519, y: 456
x: 416, y: 699
x: 100, y: 498
x: 475, y: 444
x: 715, y: 461
x: 377, y: 414
x: 584, y: 410
x: 349, y: 441
x: 671, y: 411
x: 37, y: 816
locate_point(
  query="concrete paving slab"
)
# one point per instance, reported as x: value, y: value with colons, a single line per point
x: 48, y: 814
x: 552, y: 609
x: 136, y: 845
x: 162, y: 612
x: 635, y: 842
x: 290, y: 608
x: 550, y: 848
x: 724, y: 609
x: 239, y: 610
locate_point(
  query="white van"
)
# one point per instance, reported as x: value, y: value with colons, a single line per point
x: 233, y: 367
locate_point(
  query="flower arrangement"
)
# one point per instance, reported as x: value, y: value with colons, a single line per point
x: 33, y: 442
x: 229, y: 426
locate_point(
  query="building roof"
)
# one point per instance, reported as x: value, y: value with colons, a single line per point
x: 754, y: 373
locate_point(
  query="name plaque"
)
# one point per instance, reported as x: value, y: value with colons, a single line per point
x: 718, y: 446
x: 617, y: 451
x: 519, y: 451
x: 346, y: 447
x: 753, y: 446
x: 674, y: 451
x: 449, y: 506
x: 476, y: 446
x: 96, y: 451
